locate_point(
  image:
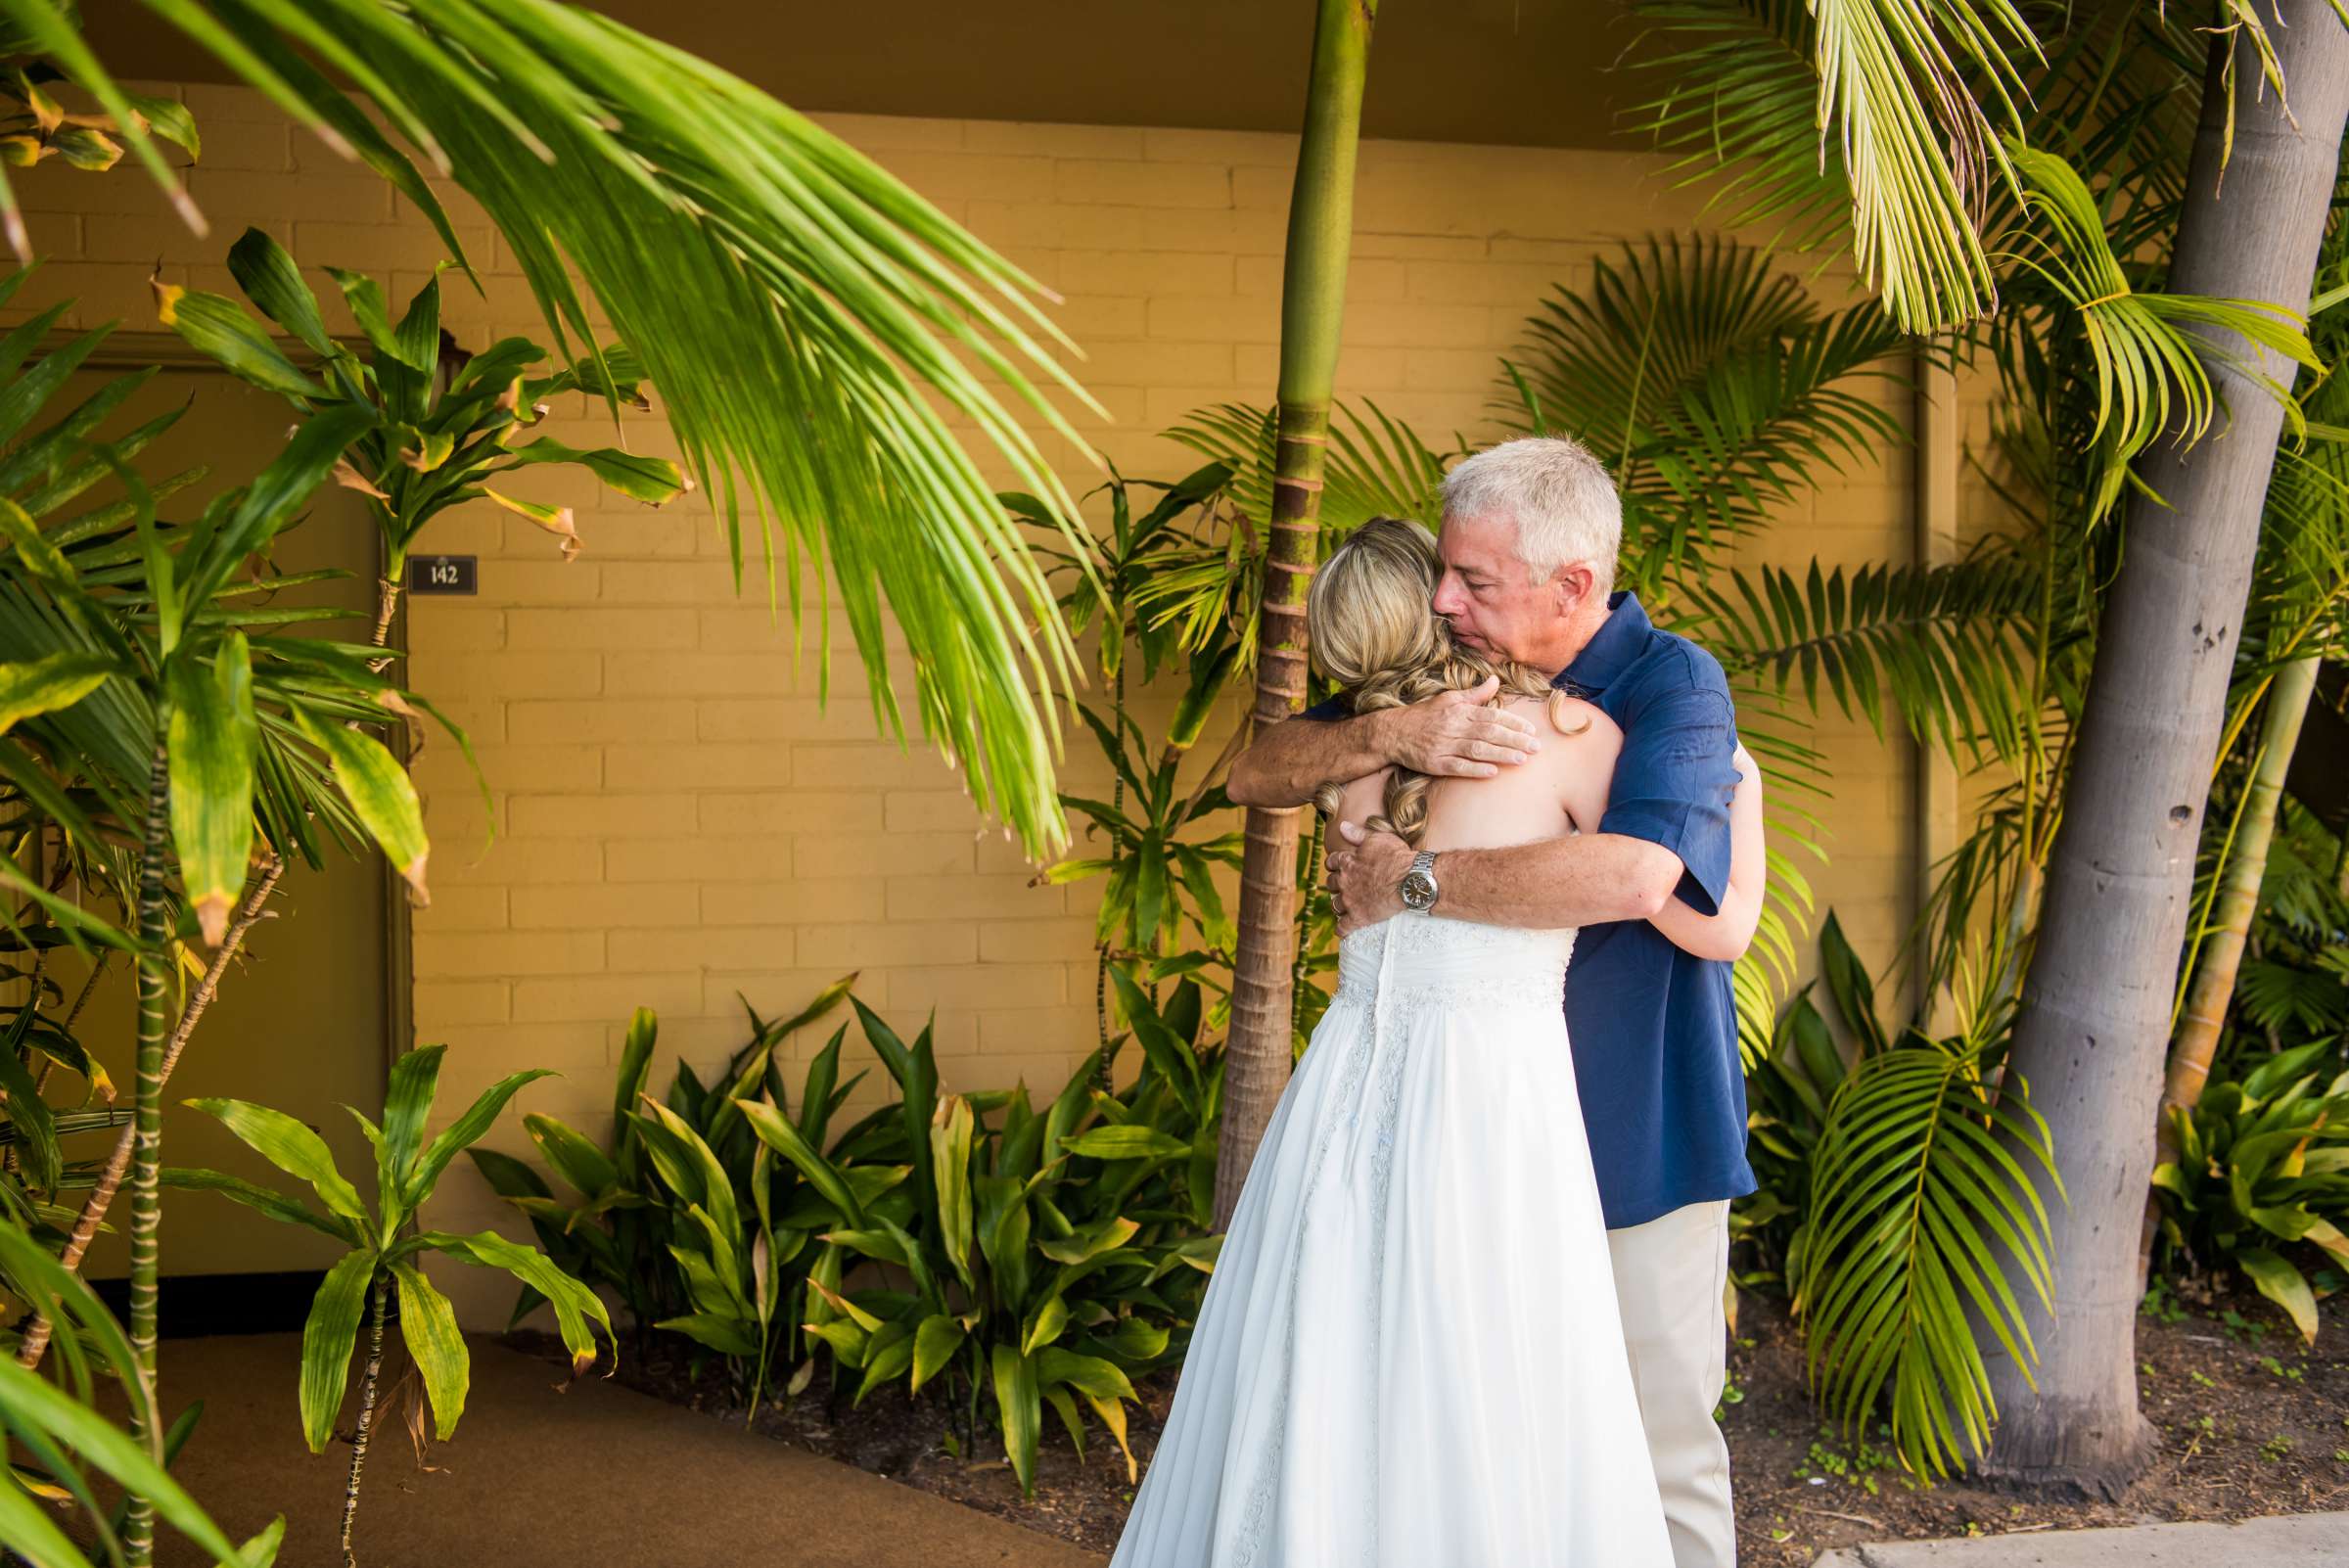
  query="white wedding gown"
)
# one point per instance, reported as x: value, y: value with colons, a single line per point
x: 1410, y: 1354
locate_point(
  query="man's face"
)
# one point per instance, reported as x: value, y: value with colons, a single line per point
x: 1494, y: 605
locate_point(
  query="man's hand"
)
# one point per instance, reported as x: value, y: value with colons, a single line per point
x: 1455, y: 735
x: 1365, y: 879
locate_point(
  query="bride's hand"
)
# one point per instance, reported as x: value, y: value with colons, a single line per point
x: 1365, y: 879
x: 1455, y: 735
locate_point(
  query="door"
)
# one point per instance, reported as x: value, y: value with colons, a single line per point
x: 302, y: 1021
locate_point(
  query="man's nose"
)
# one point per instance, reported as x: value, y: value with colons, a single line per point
x: 1446, y: 602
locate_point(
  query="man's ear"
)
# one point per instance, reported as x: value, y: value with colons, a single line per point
x: 1570, y: 585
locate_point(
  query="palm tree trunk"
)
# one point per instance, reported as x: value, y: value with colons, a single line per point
x: 2205, y: 1014
x: 2094, y: 1025
x: 1312, y: 304
x: 147, y: 1126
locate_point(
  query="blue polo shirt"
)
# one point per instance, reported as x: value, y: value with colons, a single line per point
x: 1654, y: 1029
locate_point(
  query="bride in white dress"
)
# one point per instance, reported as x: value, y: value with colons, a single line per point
x: 1409, y: 1354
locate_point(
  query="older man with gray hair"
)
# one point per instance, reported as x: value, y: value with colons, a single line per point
x: 1531, y: 532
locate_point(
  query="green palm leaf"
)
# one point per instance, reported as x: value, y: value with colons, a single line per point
x: 1894, y: 129
x: 806, y: 317
x: 1923, y: 1208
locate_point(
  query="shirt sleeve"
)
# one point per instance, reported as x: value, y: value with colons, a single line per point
x: 1674, y: 780
x: 1334, y: 708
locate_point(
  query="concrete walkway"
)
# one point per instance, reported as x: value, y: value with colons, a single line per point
x: 2300, y: 1540
x: 594, y: 1474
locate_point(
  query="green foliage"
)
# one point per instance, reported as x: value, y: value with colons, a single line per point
x: 1055, y: 1255
x: 385, y: 1245
x: 441, y: 425
x: 739, y: 245
x: 948, y: 1243
x: 2261, y: 1182
x: 684, y: 1212
x: 68, y: 1445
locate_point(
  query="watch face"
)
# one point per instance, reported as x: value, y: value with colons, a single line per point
x: 1418, y: 890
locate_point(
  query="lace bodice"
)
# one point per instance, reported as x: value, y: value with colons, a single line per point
x: 1418, y: 956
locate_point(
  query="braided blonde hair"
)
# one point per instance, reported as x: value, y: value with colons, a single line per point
x: 1370, y: 624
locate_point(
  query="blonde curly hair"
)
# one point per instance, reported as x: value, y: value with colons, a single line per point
x: 1371, y: 629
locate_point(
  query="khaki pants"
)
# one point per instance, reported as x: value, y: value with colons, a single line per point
x: 1670, y: 1277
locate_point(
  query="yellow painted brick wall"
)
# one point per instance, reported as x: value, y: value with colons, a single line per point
x: 679, y: 821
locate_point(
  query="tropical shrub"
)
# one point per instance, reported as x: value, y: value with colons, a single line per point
x: 384, y: 1262
x: 2261, y: 1182
x: 1052, y: 1255
x: 684, y: 1213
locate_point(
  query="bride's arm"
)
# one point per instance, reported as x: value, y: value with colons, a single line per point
x: 1725, y: 935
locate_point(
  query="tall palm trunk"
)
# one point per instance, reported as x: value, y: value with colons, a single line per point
x: 147, y: 1125
x: 2094, y: 1026
x: 2204, y: 1016
x: 1313, y: 302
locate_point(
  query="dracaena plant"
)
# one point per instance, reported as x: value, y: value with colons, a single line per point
x: 164, y: 729
x: 686, y: 1215
x: 447, y: 427
x: 387, y: 1251
x: 1053, y: 1255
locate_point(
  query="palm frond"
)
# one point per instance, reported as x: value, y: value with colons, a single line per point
x: 1894, y: 130
x: 1947, y: 644
x: 2147, y: 348
x: 796, y: 306
x: 1923, y: 1208
x: 1710, y: 383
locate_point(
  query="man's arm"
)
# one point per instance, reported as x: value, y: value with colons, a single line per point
x: 1453, y: 735
x: 1584, y: 881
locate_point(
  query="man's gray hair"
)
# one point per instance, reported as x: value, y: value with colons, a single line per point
x: 1561, y: 497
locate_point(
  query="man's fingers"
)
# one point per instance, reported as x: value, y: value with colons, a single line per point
x: 1456, y: 767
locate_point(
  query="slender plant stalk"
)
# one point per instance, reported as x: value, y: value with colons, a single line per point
x: 147, y: 1127
x: 1313, y: 306
x: 387, y: 605
x: 2196, y: 1038
x: 109, y: 1180
x: 367, y: 1382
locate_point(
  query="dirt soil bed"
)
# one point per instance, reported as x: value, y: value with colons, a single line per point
x: 2251, y: 1423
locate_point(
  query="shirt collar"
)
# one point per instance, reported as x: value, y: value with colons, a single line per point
x: 1617, y: 645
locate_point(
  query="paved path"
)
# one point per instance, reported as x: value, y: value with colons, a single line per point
x: 2301, y: 1541
x: 592, y: 1476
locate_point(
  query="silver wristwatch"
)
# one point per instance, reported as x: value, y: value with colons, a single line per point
x: 1418, y: 887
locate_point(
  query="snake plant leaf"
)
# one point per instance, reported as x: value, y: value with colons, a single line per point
x: 776, y: 1131
x: 211, y: 739
x: 934, y: 1343
x: 1018, y: 1398
x: 2281, y: 1282
x: 574, y: 1155
x: 363, y: 296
